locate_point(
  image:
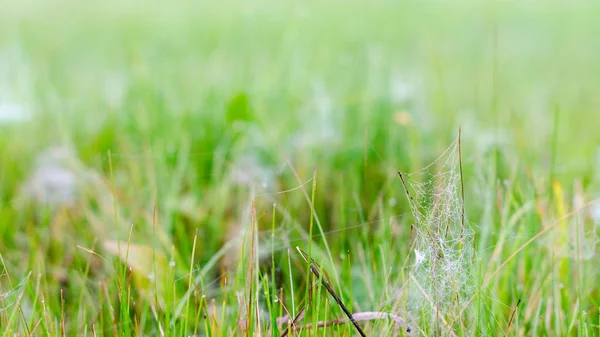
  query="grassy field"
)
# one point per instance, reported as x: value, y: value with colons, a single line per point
x: 159, y: 165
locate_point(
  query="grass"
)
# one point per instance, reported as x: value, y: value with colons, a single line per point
x: 205, y: 142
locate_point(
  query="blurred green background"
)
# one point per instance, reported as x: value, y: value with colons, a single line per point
x: 175, y: 114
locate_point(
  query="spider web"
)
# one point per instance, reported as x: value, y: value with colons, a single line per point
x: 442, y: 248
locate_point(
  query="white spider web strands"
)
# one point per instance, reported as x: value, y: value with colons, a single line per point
x: 443, y: 245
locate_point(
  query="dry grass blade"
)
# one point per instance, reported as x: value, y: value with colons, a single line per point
x: 512, y: 316
x: 293, y: 325
x: 410, y: 197
x: 329, y: 288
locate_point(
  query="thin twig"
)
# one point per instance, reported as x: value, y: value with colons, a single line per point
x: 407, y: 191
x: 295, y: 322
x: 329, y: 288
x: 417, y: 214
x: 512, y: 316
x: 419, y: 220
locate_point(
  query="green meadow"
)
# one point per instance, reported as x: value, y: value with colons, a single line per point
x: 310, y: 168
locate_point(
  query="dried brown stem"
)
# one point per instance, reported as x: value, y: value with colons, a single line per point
x: 399, y: 322
x: 512, y: 316
x: 313, y: 268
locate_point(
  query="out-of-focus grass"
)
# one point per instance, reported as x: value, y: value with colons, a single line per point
x: 182, y: 113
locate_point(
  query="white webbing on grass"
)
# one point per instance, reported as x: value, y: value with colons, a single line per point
x: 441, y: 279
